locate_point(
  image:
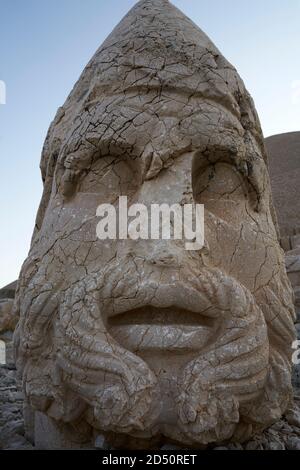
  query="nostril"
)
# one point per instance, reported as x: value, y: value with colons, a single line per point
x: 163, y: 257
x: 172, y: 257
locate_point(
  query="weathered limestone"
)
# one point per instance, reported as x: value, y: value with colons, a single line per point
x: 141, y: 341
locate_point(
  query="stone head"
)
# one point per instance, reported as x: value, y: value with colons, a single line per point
x: 143, y: 338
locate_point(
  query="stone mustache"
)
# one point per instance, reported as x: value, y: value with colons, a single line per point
x: 143, y: 339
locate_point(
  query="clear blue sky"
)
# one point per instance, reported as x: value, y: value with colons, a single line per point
x: 44, y: 45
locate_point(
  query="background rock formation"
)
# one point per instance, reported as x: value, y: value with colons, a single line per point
x: 284, y: 159
x: 284, y: 162
x: 9, y: 291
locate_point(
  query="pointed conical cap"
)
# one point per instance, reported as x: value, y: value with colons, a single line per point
x: 156, y: 47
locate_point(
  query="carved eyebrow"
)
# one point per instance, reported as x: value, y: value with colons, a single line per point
x: 87, y: 147
x: 74, y: 165
x: 166, y: 90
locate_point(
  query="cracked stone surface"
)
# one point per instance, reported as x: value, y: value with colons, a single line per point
x: 284, y: 435
x: 142, y: 341
x: 15, y: 434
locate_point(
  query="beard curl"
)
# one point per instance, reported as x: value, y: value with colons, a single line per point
x: 110, y: 387
x: 74, y: 370
x: 232, y: 372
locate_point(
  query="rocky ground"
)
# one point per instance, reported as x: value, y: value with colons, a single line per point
x: 284, y: 435
x: 12, y: 432
x: 11, y: 411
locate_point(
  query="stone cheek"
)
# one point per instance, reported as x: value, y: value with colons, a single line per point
x: 143, y: 341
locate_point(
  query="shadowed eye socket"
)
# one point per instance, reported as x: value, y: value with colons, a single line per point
x: 233, y: 172
x: 223, y: 184
x: 110, y: 176
x: 87, y: 168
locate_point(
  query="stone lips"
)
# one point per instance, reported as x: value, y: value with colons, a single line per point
x: 157, y: 114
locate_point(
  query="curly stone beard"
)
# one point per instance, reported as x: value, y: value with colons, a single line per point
x: 73, y: 369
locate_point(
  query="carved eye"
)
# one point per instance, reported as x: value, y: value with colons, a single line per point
x: 225, y: 184
x: 110, y: 177
x: 221, y: 181
x: 223, y: 190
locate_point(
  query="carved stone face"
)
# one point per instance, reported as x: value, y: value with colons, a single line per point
x: 144, y: 338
